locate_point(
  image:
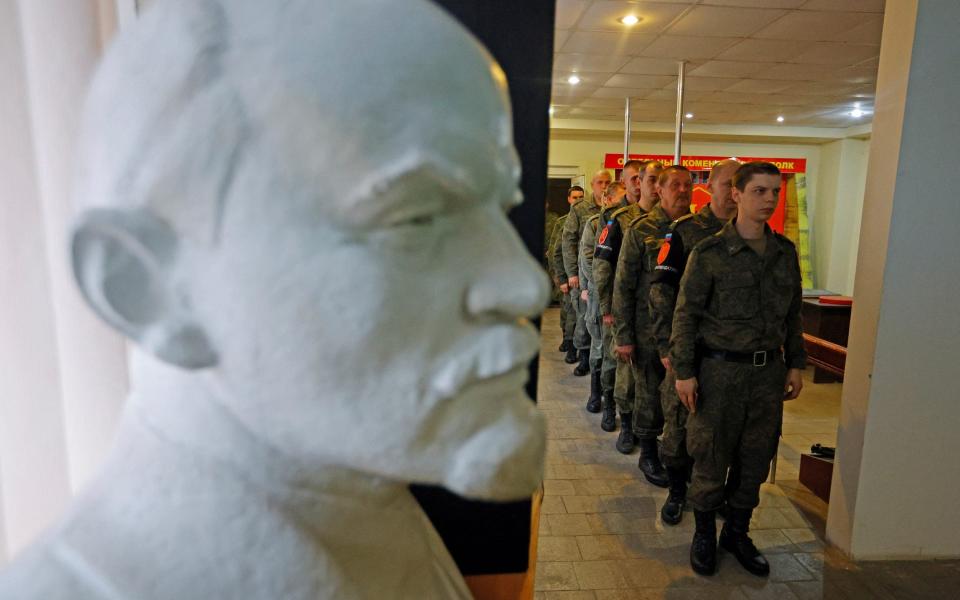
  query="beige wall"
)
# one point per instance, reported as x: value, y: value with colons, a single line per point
x: 896, y: 493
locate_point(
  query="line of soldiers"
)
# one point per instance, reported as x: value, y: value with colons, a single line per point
x: 689, y: 325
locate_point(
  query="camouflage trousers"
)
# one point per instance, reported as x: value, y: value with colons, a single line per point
x: 568, y: 318
x: 648, y: 374
x: 581, y: 337
x: 738, y: 418
x: 608, y: 365
x: 624, y: 390
x: 674, y: 441
x: 592, y: 322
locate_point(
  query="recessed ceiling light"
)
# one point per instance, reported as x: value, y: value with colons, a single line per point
x: 689, y: 115
x: 550, y: 111
x: 856, y: 113
x: 780, y: 119
x: 630, y: 20
x: 573, y: 80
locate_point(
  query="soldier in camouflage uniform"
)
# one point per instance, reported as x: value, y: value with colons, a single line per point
x: 632, y: 329
x: 588, y: 243
x: 685, y: 233
x: 739, y: 313
x: 570, y: 243
x: 568, y: 318
x: 640, y: 179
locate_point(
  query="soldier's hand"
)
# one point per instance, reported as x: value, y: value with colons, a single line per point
x: 574, y: 282
x: 583, y: 295
x: 564, y: 288
x: 687, y: 391
x: 793, y: 385
x: 665, y: 361
x: 608, y: 320
x: 624, y: 353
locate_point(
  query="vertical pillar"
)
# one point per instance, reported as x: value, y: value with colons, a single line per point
x: 895, y: 490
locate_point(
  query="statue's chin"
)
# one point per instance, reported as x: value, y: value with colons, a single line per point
x: 497, y: 466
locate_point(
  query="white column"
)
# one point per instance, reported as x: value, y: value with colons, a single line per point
x: 34, y: 480
x: 61, y: 41
x: 896, y: 493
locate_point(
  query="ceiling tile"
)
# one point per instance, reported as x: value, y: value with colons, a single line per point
x: 763, y: 50
x: 819, y: 88
x: 688, y: 95
x: 869, y: 31
x: 811, y: 26
x: 641, y: 81
x: 587, y: 63
x: 568, y: 11
x: 757, y: 3
x: 567, y: 94
x: 854, y: 75
x: 850, y: 5
x: 602, y: 102
x: 559, y: 37
x: 726, y: 68
x: 680, y: 47
x: 654, y: 17
x: 594, y: 42
x: 796, y: 72
x: 717, y: 21
x: 707, y: 84
x: 832, y: 53
x: 655, y: 66
x: 621, y: 93
x: 759, y: 86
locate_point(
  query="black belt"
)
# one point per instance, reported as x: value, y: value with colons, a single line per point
x: 757, y: 359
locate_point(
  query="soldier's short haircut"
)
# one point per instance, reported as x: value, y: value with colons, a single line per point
x: 721, y: 166
x: 573, y: 189
x: 747, y: 170
x: 639, y: 165
x: 665, y: 174
x: 613, y: 188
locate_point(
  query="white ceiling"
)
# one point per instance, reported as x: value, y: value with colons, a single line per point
x: 748, y: 61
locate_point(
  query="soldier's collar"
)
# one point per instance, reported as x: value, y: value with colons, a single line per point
x: 735, y: 243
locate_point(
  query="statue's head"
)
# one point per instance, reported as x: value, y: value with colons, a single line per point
x: 306, y: 201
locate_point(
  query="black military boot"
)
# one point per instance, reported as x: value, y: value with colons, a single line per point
x: 593, y: 404
x: 566, y: 345
x: 571, y: 356
x: 650, y: 463
x: 609, y: 420
x: 584, y: 367
x: 672, y: 511
x: 626, y: 439
x: 703, y: 549
x: 734, y: 539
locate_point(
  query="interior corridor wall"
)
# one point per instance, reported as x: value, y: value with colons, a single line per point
x: 63, y: 375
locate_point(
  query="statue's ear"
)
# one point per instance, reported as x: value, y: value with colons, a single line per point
x: 123, y: 261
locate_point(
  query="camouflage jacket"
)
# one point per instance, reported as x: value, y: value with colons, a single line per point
x: 572, y: 230
x: 631, y: 286
x: 587, y: 243
x: 555, y: 252
x: 735, y: 300
x: 615, y: 221
x: 685, y: 233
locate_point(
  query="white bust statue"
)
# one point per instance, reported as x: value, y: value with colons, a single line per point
x: 296, y: 212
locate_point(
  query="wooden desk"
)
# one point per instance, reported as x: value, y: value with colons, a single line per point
x: 830, y: 322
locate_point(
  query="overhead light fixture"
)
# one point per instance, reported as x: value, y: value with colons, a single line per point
x: 573, y: 80
x: 550, y: 111
x: 689, y: 115
x: 629, y: 20
x: 856, y: 113
x: 780, y: 119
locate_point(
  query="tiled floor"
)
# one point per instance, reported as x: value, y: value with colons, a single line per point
x: 601, y: 537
